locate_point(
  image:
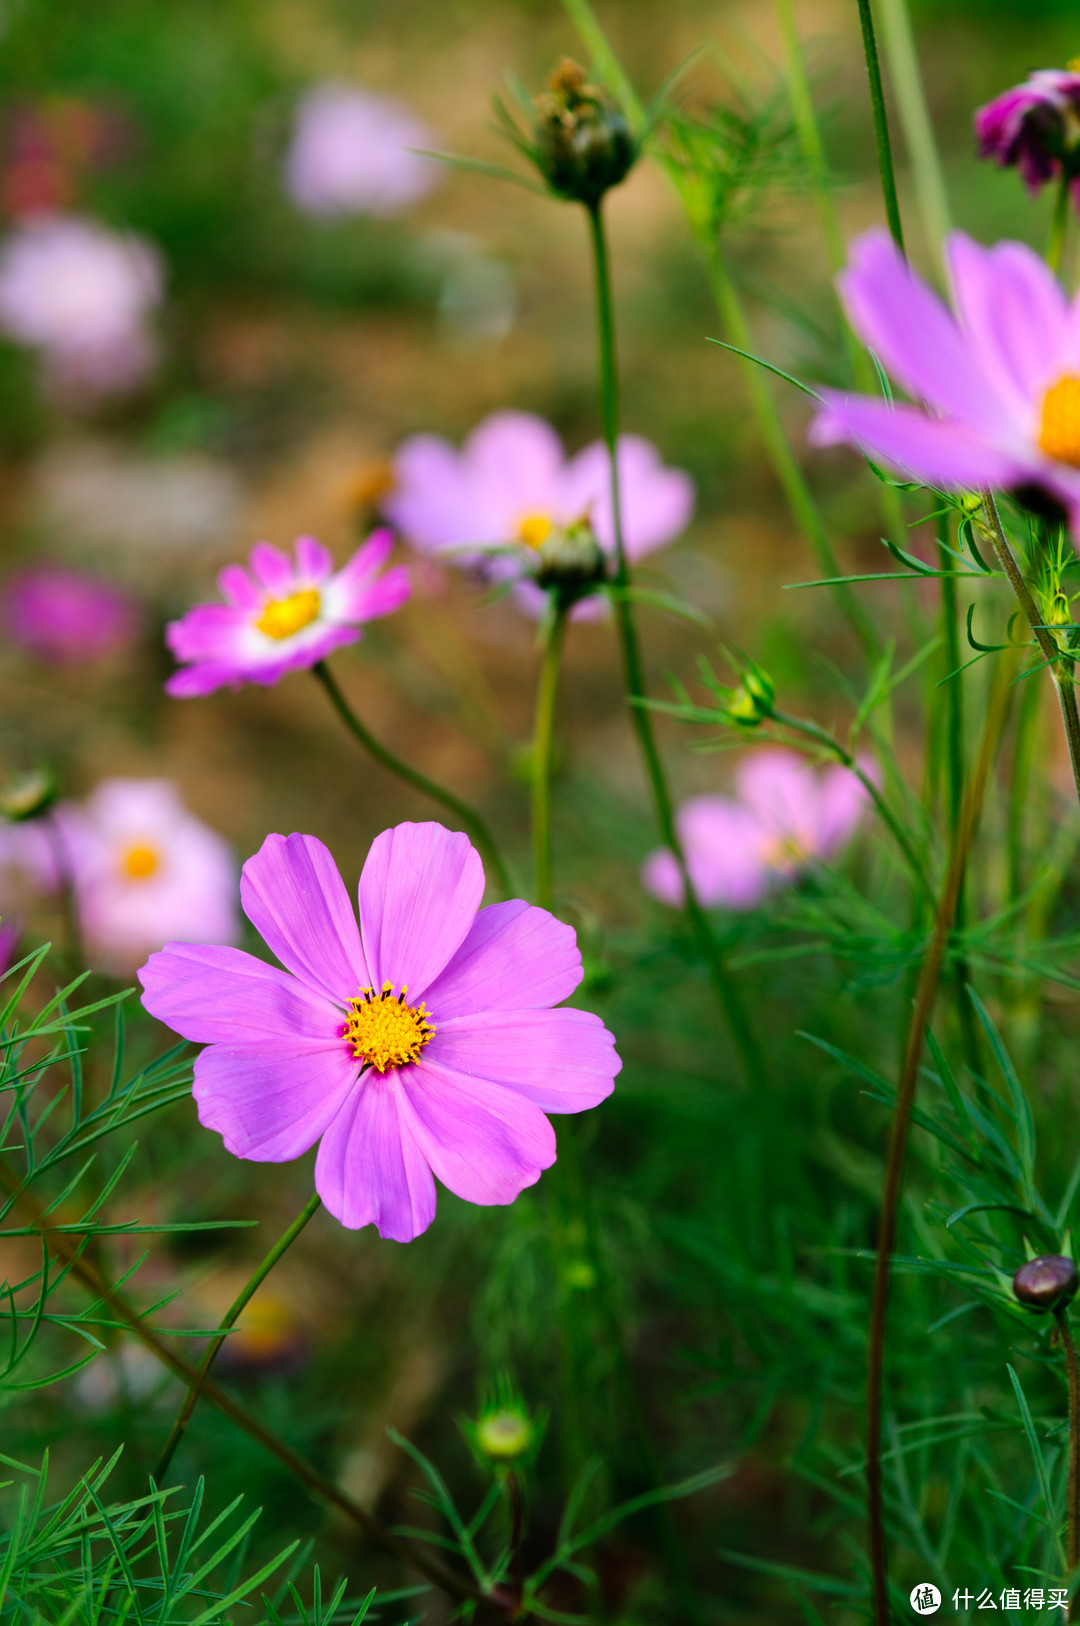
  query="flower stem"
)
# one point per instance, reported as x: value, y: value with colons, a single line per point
x: 1061, y: 667
x: 881, y: 125
x: 1059, y: 225
x: 472, y: 821
x: 183, y: 1416
x: 704, y: 937
x: 925, y: 994
x: 543, y: 742
x: 918, y: 130
x: 1072, y: 1368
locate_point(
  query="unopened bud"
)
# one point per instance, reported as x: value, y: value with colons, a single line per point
x: 570, y: 560
x: 583, y: 142
x: 1046, y: 1283
x: 504, y: 1435
x: 28, y: 795
x: 752, y: 702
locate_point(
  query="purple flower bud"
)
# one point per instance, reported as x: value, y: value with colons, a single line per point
x: 1034, y: 127
x: 1046, y: 1283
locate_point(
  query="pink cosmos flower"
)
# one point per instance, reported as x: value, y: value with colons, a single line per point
x: 283, y: 614
x: 512, y: 482
x: 10, y: 934
x: 145, y: 870
x: 784, y: 816
x: 1000, y: 380
x: 1036, y: 127
x: 422, y: 1044
x: 64, y: 616
x: 351, y: 154
x: 82, y: 295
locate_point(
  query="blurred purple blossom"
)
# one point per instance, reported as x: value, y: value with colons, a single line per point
x: 350, y: 154
x: 1001, y: 378
x: 784, y: 816
x: 1035, y: 126
x: 82, y: 295
x: 455, y: 1083
x: 512, y: 482
x: 64, y: 616
x: 10, y: 934
x: 145, y: 871
x: 282, y: 615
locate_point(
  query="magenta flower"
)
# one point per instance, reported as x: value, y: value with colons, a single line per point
x: 82, y: 295
x: 512, y: 482
x: 283, y: 614
x: 64, y: 616
x: 145, y: 870
x: 1000, y: 380
x: 422, y: 1044
x: 354, y: 152
x: 1035, y: 126
x: 785, y: 815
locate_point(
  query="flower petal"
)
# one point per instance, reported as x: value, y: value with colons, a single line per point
x: 563, y: 1061
x: 515, y: 957
x: 211, y: 994
x: 294, y: 897
x: 485, y: 1143
x: 313, y: 562
x: 916, y: 336
x: 272, y: 569
x: 419, y: 892
x: 270, y: 1102
x: 946, y: 454
x: 1012, y: 307
x: 369, y: 1170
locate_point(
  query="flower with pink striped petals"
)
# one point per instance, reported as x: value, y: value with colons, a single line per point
x: 512, y: 483
x: 422, y: 1045
x: 998, y: 383
x: 282, y: 615
x: 784, y: 816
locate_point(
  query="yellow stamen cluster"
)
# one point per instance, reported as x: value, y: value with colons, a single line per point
x: 1059, y: 433
x: 784, y: 853
x: 384, y: 1031
x: 139, y: 862
x: 284, y: 616
x: 535, y: 529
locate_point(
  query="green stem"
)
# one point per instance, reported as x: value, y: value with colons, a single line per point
x: 543, y: 745
x: 254, y: 1282
x: 881, y: 125
x: 472, y: 821
x: 704, y: 937
x: 69, y: 905
x: 1059, y: 225
x: 915, y: 118
x: 1072, y: 1369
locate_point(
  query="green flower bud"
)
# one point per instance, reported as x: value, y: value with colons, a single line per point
x: 28, y: 795
x: 583, y: 142
x: 752, y: 702
x: 569, y: 559
x: 504, y: 1435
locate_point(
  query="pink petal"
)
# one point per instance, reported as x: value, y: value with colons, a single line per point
x: 294, y: 897
x: 367, y: 600
x: 1014, y: 312
x: 949, y: 455
x: 238, y: 588
x: 661, y: 876
x: 273, y: 569
x: 430, y: 503
x: 780, y: 789
x: 563, y: 1061
x: 214, y: 630
x: 514, y: 462
x: 216, y: 995
x: 419, y: 892
x: 917, y: 338
x: 656, y: 502
x: 515, y: 957
x: 270, y: 1102
x: 368, y: 560
x: 484, y: 1143
x: 842, y: 801
x: 725, y: 852
x: 313, y: 562
x: 369, y: 1169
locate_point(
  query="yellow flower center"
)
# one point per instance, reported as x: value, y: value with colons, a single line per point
x: 784, y: 853
x: 535, y: 529
x: 1059, y: 433
x: 139, y: 862
x: 284, y: 616
x: 384, y: 1031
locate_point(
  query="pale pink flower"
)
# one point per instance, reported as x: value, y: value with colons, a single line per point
x: 82, y: 295
x: 785, y: 815
x: 355, y: 152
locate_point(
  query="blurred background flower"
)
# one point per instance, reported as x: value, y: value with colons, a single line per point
x: 65, y: 616
x: 354, y: 152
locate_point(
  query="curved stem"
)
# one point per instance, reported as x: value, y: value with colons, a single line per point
x: 1059, y: 225
x: 925, y: 994
x: 1061, y: 667
x: 881, y: 125
x: 543, y: 743
x: 705, y: 939
x: 1072, y: 1368
x: 183, y: 1416
x: 472, y: 821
